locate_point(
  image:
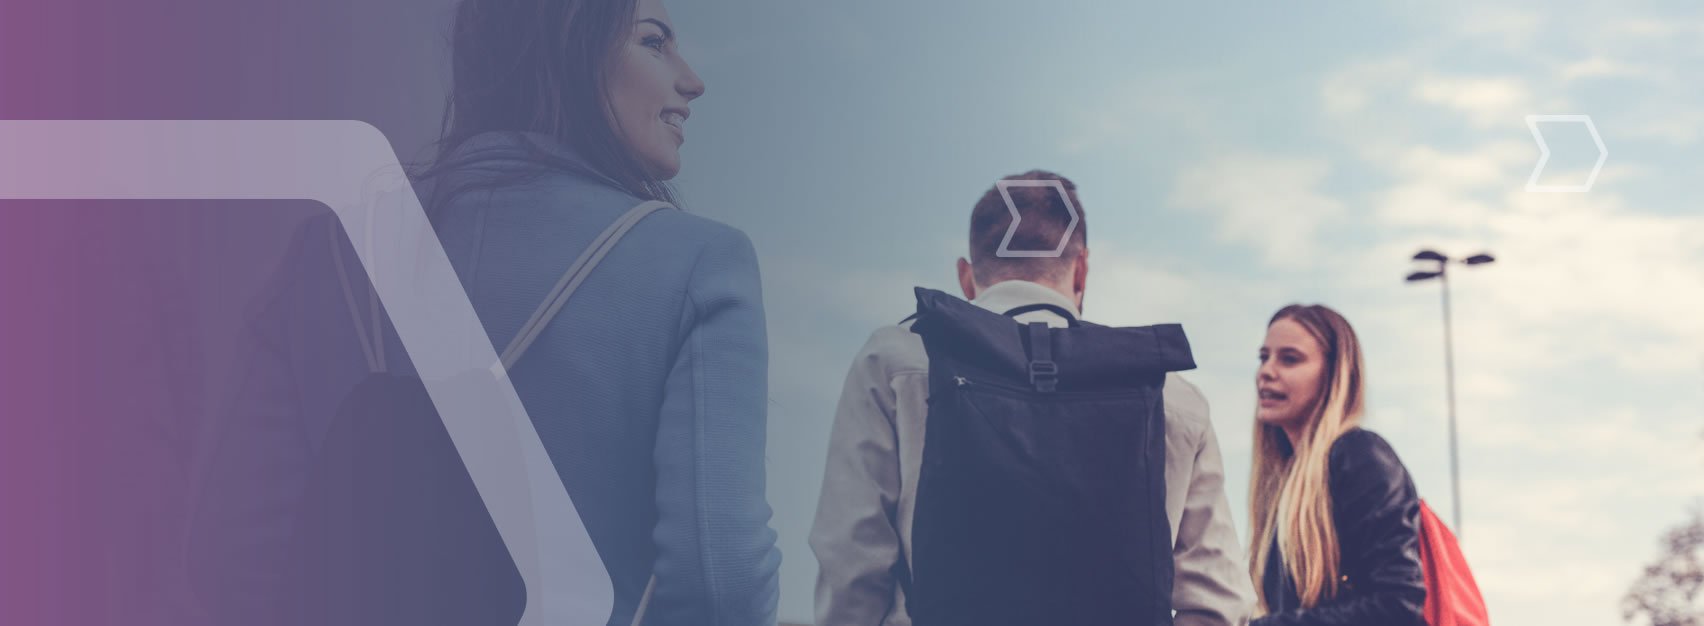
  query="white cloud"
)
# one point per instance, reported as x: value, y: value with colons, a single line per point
x: 1419, y: 204
x: 1508, y: 26
x: 1486, y: 101
x: 1129, y: 113
x: 1588, y: 259
x: 1609, y: 293
x: 1601, y: 67
x: 1382, y: 108
x: 1435, y: 188
x: 1486, y: 165
x: 1129, y: 287
x: 1352, y: 88
x: 1672, y: 122
x: 1646, y: 28
x: 1270, y: 203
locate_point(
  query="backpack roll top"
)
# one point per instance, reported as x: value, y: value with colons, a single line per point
x: 1091, y: 357
x: 1041, y: 496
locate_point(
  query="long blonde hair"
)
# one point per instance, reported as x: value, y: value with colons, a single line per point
x: 1293, y: 483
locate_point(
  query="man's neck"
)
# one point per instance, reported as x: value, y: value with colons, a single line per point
x: 1014, y: 293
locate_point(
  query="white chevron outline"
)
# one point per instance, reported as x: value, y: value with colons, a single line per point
x: 1544, y: 154
x: 1005, y: 249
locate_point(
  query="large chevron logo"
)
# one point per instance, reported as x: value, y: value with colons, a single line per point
x: 337, y: 163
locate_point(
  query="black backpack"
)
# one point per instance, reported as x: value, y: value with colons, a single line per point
x: 1041, y: 497
x: 390, y: 529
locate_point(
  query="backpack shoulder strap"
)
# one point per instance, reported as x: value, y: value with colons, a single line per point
x: 572, y: 278
x: 372, y: 346
x: 645, y: 601
x: 559, y: 295
x: 1070, y: 317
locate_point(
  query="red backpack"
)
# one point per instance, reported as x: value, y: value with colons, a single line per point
x: 1452, y: 598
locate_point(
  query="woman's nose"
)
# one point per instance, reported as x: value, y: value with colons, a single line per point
x: 690, y: 84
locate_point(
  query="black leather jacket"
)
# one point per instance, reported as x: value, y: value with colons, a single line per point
x: 1378, y: 533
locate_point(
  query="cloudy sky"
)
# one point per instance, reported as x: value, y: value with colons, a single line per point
x: 1231, y: 162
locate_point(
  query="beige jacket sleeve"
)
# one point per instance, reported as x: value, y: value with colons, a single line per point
x: 856, y: 536
x: 1210, y: 585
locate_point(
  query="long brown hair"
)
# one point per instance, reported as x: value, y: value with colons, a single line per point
x: 1292, y: 483
x: 541, y: 66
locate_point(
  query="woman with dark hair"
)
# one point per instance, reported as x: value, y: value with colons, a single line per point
x: 593, y: 87
x: 1335, y: 518
x: 647, y: 390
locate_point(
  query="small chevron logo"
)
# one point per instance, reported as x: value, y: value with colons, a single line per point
x: 1532, y: 122
x: 1006, y: 250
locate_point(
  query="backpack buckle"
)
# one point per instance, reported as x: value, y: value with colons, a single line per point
x: 1044, y: 375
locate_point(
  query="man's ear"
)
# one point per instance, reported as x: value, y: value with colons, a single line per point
x: 1080, y: 278
x: 967, y: 279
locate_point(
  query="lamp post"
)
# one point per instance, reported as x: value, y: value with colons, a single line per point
x: 1442, y: 274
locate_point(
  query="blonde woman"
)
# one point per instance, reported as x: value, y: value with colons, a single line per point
x: 1334, y: 515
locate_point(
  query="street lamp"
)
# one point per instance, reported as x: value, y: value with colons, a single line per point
x: 1442, y: 274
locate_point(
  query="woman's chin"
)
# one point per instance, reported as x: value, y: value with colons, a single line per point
x: 1270, y: 418
x: 663, y: 164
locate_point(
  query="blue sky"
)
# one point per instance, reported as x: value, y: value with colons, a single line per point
x: 1233, y: 160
